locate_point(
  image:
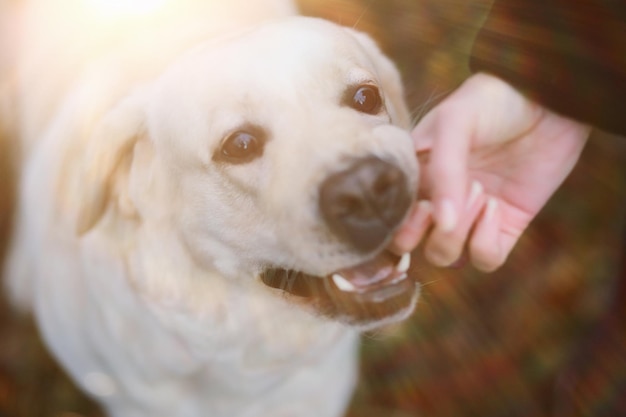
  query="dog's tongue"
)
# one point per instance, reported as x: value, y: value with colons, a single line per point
x: 383, y: 269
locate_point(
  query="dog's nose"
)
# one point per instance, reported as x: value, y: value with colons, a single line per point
x: 365, y: 202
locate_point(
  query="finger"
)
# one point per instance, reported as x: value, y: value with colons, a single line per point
x: 485, y: 246
x: 444, y: 248
x: 448, y: 166
x: 414, y: 228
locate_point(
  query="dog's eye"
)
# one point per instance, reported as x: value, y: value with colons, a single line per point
x: 240, y: 147
x: 366, y: 99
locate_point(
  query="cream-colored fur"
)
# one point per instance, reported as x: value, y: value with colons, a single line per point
x: 138, y: 253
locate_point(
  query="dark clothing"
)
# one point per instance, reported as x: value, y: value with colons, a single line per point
x: 569, y: 55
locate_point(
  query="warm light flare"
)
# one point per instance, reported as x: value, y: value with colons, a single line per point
x: 126, y: 7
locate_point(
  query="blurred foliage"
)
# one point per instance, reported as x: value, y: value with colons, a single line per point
x: 511, y: 343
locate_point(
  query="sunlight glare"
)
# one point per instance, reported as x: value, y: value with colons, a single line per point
x: 126, y: 7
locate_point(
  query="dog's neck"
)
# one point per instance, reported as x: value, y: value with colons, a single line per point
x: 219, y: 317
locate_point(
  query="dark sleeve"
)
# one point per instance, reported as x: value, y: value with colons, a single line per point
x: 569, y: 55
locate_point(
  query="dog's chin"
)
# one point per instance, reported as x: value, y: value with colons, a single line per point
x: 369, y: 295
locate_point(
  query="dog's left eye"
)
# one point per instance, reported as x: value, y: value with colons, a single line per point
x: 240, y: 147
x: 366, y: 99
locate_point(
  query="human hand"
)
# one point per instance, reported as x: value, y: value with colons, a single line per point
x: 490, y: 160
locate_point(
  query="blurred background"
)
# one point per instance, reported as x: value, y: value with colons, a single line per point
x: 540, y: 337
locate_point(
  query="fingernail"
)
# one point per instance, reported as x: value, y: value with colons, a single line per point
x: 447, y: 218
x: 476, y: 190
x: 425, y: 207
x: 490, y: 210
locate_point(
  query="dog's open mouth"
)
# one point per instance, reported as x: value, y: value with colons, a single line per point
x: 372, y: 291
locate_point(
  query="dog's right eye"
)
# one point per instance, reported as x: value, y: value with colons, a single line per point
x: 241, y: 147
x: 365, y: 99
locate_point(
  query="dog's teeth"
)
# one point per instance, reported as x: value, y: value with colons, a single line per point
x: 404, y: 263
x: 343, y: 284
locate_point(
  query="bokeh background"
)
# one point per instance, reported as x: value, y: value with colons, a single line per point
x: 543, y: 336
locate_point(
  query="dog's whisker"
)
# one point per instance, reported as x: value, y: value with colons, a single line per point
x: 432, y: 100
x: 291, y: 277
x: 366, y: 9
x: 431, y: 282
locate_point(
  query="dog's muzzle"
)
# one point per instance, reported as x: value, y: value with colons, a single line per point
x: 362, y: 205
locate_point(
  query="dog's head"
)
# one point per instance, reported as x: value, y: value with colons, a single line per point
x: 281, y: 153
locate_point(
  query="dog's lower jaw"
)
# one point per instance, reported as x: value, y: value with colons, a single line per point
x: 397, y: 317
x: 366, y: 296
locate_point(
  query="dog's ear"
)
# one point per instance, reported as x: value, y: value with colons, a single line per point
x: 109, y: 149
x: 389, y: 77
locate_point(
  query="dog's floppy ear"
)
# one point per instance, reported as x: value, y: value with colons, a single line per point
x: 110, y: 145
x: 389, y: 77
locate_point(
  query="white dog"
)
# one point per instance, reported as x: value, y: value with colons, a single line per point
x: 207, y: 191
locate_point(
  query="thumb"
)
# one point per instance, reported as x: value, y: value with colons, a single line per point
x: 422, y: 134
